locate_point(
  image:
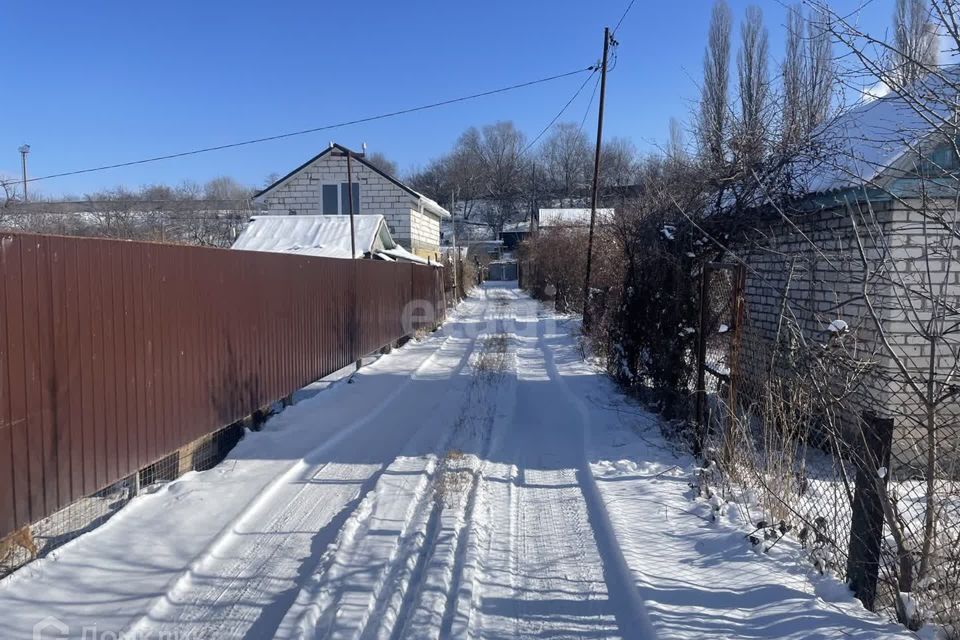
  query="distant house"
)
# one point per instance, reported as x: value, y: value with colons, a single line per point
x: 320, y: 187
x: 553, y: 218
x: 324, y: 236
x: 513, y: 234
x: 467, y: 232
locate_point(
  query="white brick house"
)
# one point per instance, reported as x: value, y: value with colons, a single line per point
x: 319, y: 187
x: 869, y: 240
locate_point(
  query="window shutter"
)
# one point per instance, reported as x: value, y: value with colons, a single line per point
x: 330, y: 200
x: 345, y: 198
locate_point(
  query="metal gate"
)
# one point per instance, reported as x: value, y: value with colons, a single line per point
x: 502, y: 270
x: 718, y: 345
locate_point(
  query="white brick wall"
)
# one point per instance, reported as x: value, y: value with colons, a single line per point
x: 425, y: 232
x: 302, y: 195
x: 828, y: 284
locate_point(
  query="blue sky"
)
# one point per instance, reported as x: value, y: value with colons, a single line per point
x: 101, y: 82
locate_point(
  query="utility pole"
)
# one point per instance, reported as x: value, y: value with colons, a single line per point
x: 24, y: 150
x: 456, y: 252
x: 353, y: 245
x: 353, y: 237
x: 596, y: 179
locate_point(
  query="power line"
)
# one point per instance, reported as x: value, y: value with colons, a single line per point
x: 560, y: 113
x: 620, y: 21
x: 593, y: 70
x: 301, y: 132
x: 586, y: 113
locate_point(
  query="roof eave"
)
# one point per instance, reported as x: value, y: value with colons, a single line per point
x: 431, y: 206
x: 418, y: 197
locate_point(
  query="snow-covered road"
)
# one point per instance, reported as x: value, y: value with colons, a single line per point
x: 482, y: 483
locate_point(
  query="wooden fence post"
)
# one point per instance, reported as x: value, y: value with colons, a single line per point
x: 866, y: 527
x: 701, y: 400
x: 737, y: 317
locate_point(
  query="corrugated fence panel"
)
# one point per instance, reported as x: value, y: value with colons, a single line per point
x: 7, y: 513
x: 16, y: 379
x: 115, y: 354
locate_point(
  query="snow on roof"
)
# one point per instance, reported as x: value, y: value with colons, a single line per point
x: 517, y: 227
x: 431, y: 206
x: 399, y: 253
x: 324, y: 236
x: 864, y: 142
x: 570, y: 217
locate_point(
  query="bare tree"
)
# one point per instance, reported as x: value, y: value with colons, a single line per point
x: 432, y: 180
x: 754, y: 87
x: 807, y: 77
x: 271, y: 178
x: 9, y: 191
x: 225, y: 188
x: 618, y: 164
x: 466, y: 173
x: 676, y: 146
x: 457, y: 174
x: 567, y: 161
x: 915, y: 46
x: 499, y: 151
x: 793, y: 124
x: 713, y: 124
x: 819, y: 77
x: 9, y: 198
x: 211, y: 214
x: 382, y: 162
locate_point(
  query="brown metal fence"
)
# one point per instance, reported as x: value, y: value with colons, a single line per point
x: 114, y: 354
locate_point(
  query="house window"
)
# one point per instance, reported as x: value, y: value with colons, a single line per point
x: 336, y: 199
x: 331, y: 199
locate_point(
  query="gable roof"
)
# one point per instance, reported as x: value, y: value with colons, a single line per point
x: 874, y: 141
x: 323, y: 236
x: 428, y: 204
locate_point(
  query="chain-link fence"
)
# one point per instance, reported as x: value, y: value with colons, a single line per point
x: 921, y: 550
x: 86, y: 514
x: 818, y: 442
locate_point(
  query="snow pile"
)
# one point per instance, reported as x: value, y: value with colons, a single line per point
x: 838, y: 327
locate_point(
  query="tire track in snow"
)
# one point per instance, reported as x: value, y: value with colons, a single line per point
x: 306, y: 471
x: 392, y: 601
x: 543, y: 573
x: 459, y: 596
x: 627, y: 603
x: 431, y: 600
x: 425, y: 597
x: 327, y: 607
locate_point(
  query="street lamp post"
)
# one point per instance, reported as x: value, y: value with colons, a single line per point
x: 24, y: 150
